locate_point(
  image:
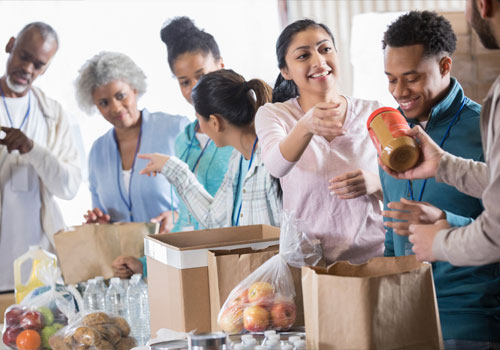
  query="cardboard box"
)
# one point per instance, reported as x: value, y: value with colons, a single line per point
x: 179, y: 297
x: 6, y: 300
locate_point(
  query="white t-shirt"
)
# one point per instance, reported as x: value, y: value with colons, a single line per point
x: 202, y: 139
x: 126, y: 179
x: 20, y: 224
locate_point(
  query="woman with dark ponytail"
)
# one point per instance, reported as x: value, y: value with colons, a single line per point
x: 315, y: 141
x: 225, y: 107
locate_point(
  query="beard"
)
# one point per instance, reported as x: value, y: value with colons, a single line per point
x: 17, y: 88
x: 483, y: 29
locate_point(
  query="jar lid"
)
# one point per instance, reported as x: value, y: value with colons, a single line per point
x: 170, y: 345
x: 207, y: 339
x: 377, y: 112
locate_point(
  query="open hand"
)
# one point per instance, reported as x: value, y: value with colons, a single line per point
x: 96, y: 216
x: 430, y: 156
x: 156, y: 163
x: 15, y: 139
x: 324, y: 119
x: 354, y: 184
x: 412, y: 212
x: 167, y: 220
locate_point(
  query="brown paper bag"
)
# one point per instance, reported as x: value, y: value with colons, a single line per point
x: 386, y: 303
x: 227, y: 268
x: 87, y: 251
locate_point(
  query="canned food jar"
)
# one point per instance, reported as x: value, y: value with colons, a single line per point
x: 207, y: 341
x: 387, y: 128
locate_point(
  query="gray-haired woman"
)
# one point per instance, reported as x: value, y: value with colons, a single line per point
x: 112, y: 82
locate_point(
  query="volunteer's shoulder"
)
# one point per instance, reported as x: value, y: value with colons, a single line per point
x: 166, y: 120
x: 279, y: 108
x: 50, y: 107
x: 360, y: 105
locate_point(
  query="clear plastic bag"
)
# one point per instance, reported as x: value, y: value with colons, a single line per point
x: 94, y: 331
x: 30, y: 324
x: 265, y: 299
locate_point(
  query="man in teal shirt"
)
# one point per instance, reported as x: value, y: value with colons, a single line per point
x: 417, y: 57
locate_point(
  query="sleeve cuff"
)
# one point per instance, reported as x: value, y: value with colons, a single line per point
x: 37, y: 153
x: 144, y: 263
x: 438, y: 244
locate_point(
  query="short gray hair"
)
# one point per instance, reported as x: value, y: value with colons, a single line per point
x: 45, y: 30
x: 104, y: 68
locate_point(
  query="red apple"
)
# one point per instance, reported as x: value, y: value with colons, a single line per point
x: 241, y: 300
x: 255, y: 318
x: 261, y: 294
x: 283, y: 314
x: 13, y: 316
x: 231, y: 320
x: 31, y: 320
x: 10, y: 335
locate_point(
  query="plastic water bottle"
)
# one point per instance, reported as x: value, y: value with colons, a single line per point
x: 138, y: 309
x: 115, y: 298
x: 93, y: 297
x: 299, y: 345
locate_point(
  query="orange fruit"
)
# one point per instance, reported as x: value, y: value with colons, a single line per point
x: 28, y: 340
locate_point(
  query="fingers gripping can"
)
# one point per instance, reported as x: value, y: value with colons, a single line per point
x: 387, y: 128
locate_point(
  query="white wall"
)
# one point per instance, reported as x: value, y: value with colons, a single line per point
x: 246, y: 32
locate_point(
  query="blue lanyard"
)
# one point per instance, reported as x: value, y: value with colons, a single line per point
x: 238, y: 183
x: 128, y: 203
x: 445, y: 136
x: 185, y: 160
x: 7, y: 110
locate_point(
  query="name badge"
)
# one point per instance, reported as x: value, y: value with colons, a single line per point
x: 20, y: 178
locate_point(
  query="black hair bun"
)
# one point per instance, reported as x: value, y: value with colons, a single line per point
x: 177, y: 28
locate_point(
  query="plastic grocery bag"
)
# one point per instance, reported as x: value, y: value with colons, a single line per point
x: 94, y: 331
x: 30, y: 324
x: 265, y: 299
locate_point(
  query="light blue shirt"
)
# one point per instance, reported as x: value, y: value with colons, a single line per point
x: 148, y: 196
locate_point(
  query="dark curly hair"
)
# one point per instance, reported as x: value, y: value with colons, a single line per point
x: 427, y: 28
x: 180, y: 35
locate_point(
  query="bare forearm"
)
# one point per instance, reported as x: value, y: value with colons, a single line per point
x: 295, y: 143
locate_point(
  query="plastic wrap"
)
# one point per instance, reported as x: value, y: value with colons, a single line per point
x: 30, y: 324
x: 94, y: 331
x: 265, y: 299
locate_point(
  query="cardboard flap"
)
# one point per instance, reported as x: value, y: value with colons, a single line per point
x: 375, y: 267
x: 187, y: 250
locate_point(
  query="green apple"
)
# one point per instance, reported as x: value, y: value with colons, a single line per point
x: 47, y: 332
x: 48, y: 316
x: 57, y: 326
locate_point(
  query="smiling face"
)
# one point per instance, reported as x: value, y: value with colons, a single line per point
x: 416, y: 82
x: 191, y: 66
x: 311, y: 61
x: 117, y: 102
x: 30, y: 55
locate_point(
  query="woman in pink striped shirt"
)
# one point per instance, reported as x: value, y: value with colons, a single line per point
x: 315, y: 141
